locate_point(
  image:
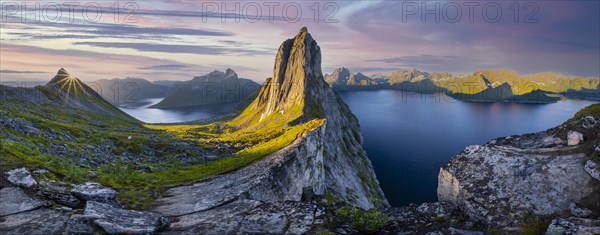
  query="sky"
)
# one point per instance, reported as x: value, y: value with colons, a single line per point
x: 180, y: 39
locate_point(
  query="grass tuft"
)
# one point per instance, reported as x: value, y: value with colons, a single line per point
x: 367, y: 222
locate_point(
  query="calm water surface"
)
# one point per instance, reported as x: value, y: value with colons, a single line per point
x: 408, y: 136
x: 141, y: 111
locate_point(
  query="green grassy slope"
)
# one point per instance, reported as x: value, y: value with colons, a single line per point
x: 96, y: 138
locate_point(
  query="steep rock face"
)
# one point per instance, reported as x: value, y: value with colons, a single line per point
x: 297, y: 70
x: 537, y: 174
x: 298, y: 80
x: 340, y: 76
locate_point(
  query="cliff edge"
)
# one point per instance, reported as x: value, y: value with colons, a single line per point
x: 547, y: 173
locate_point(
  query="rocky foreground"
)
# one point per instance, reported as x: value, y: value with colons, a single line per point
x: 50, y: 207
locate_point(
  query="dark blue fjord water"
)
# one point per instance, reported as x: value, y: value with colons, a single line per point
x: 409, y: 136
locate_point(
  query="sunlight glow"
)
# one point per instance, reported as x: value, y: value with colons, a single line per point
x: 71, y: 83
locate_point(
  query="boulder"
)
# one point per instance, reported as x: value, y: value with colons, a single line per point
x: 94, y: 192
x: 13, y: 200
x: 114, y: 220
x: 59, y: 192
x: 579, y: 211
x: 591, y: 168
x: 21, y: 177
x: 573, y: 226
x: 574, y: 138
x: 588, y: 122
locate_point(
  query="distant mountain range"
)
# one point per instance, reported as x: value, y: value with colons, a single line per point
x: 120, y: 91
x: 213, y: 88
x: 494, y: 85
x: 343, y: 76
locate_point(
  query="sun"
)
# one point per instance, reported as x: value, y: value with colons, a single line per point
x: 70, y: 83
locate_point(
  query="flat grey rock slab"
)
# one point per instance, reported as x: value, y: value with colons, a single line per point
x: 221, y: 220
x: 114, y: 220
x: 41, y: 221
x: 94, y: 192
x: 13, y: 200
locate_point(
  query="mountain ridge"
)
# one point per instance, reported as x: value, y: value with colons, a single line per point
x: 212, y: 88
x: 533, y: 88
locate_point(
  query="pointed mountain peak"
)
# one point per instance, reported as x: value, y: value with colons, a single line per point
x: 230, y: 73
x: 216, y: 71
x: 62, y: 71
x: 61, y: 76
x: 303, y: 30
x: 297, y: 69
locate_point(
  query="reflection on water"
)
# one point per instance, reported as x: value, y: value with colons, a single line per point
x: 141, y: 111
x: 408, y: 136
